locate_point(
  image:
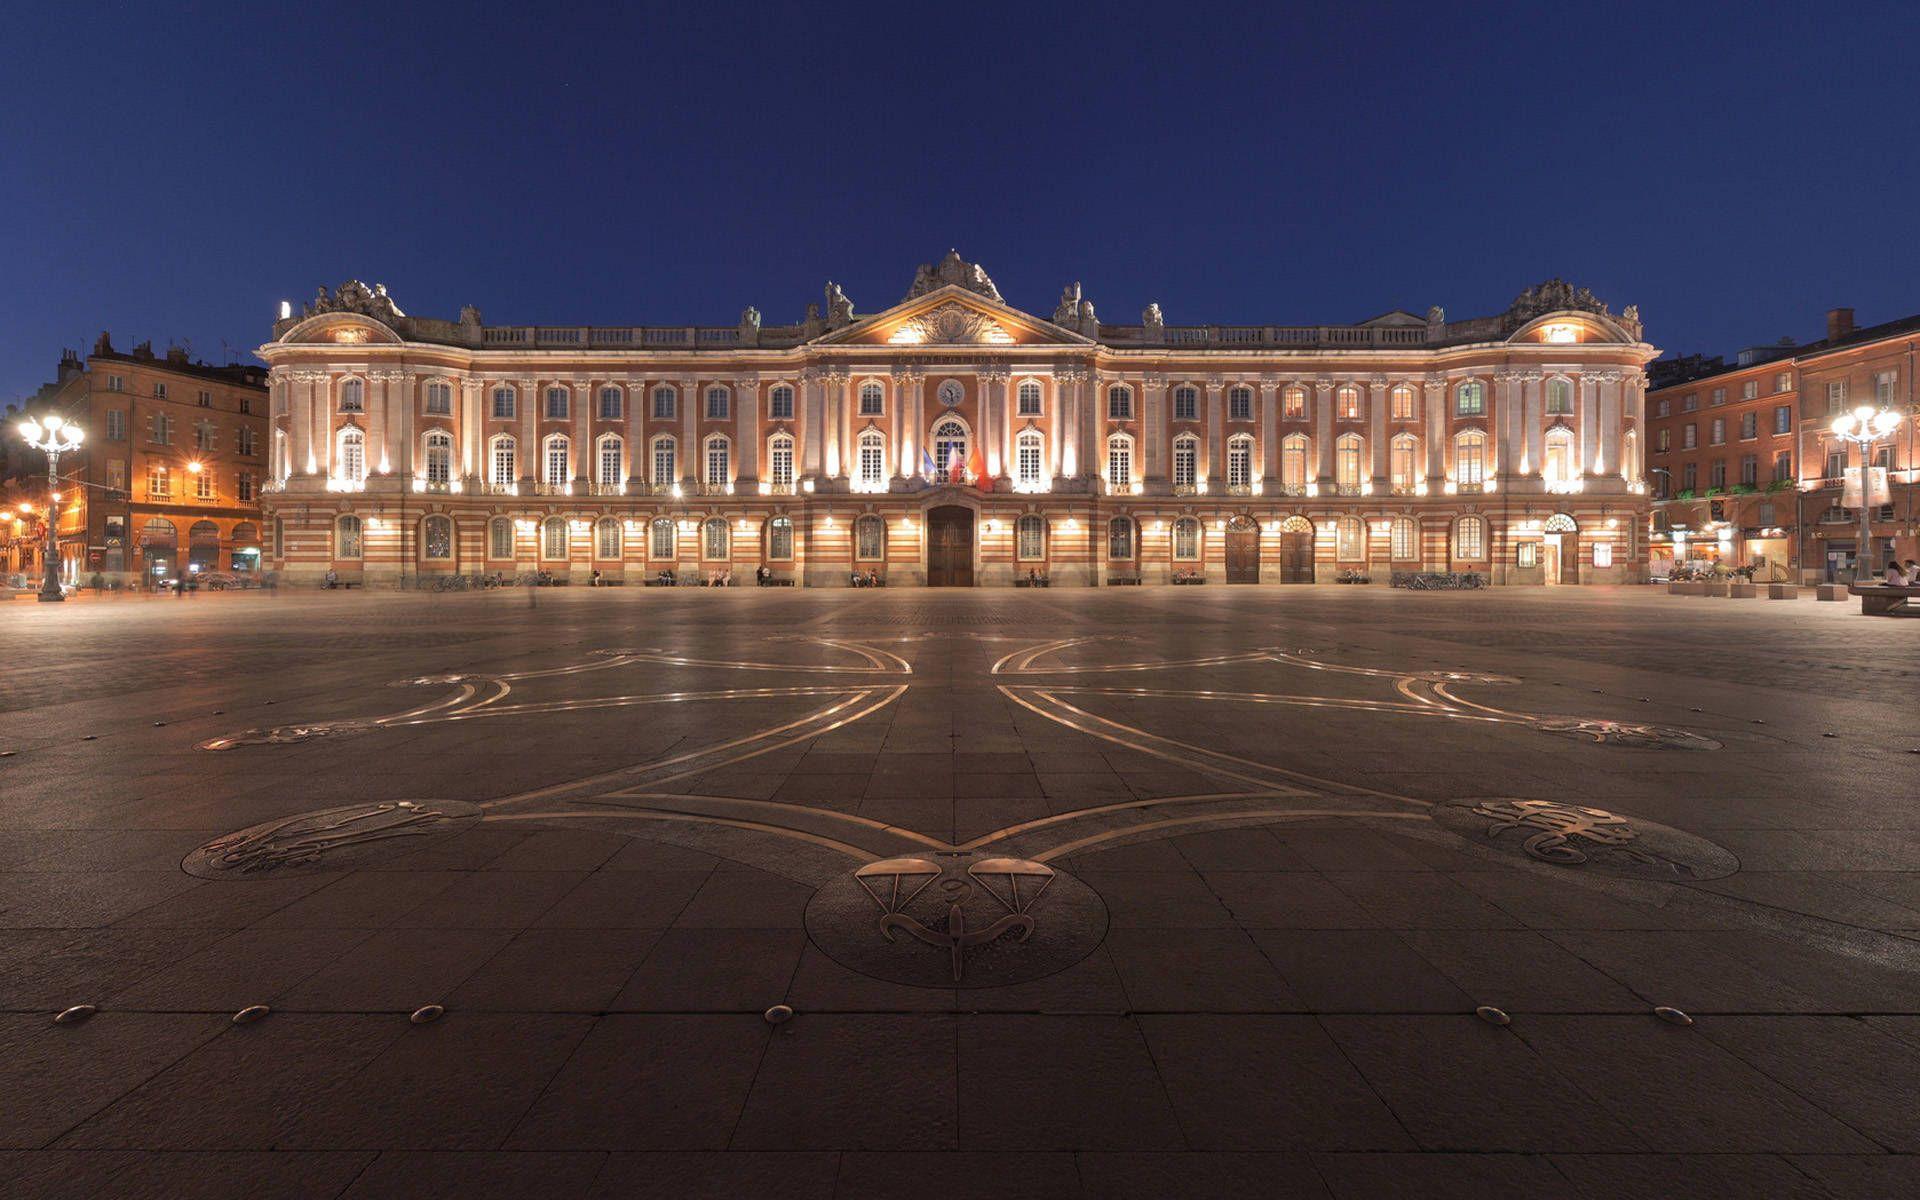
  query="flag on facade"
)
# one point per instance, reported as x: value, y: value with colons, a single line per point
x: 930, y: 468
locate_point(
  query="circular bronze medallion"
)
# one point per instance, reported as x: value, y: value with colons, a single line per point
x: 1587, y: 839
x: 957, y: 920
x: 331, y: 839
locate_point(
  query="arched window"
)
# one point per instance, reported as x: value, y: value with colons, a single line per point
x: 869, y: 538
x: 1403, y: 462
x: 500, y: 462
x: 1346, y: 402
x: 606, y: 538
x: 439, y: 455
x: 1186, y: 457
x: 665, y: 400
x: 1470, y: 539
x: 610, y: 406
x: 500, y: 538
x: 436, y: 538
x: 1349, y: 452
x: 1186, y: 403
x: 873, y: 399
x: 1470, y: 398
x: 1350, y: 539
x: 780, y: 403
x: 780, y: 460
x: 1400, y: 403
x: 664, y: 466
x: 503, y: 398
x: 553, y: 538
x: 1030, y: 538
x: 719, y: 401
x: 1404, y: 544
x: 1240, y: 461
x: 347, y: 537
x: 608, y: 465
x: 1028, y: 472
x: 661, y: 543
x: 1120, y: 463
x: 713, y: 538
x: 872, y: 461
x: 1559, y: 397
x: 1120, y: 538
x: 1294, y: 450
x: 1469, y: 459
x: 556, y: 464
x: 1119, y: 403
x: 719, y: 461
x: 353, y: 396
x: 1557, y: 465
x: 1240, y: 404
x: 1029, y: 398
x: 1186, y: 539
x: 559, y: 403
x: 353, y: 456
x: 949, y: 446
x: 1293, y: 404
x: 780, y: 538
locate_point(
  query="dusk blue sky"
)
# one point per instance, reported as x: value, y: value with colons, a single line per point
x: 1733, y: 169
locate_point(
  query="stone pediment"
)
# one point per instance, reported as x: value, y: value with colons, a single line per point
x: 953, y: 315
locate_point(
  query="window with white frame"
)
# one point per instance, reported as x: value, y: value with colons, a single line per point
x: 1470, y: 458
x: 1119, y: 403
x: 1120, y: 538
x: 1028, y: 398
x: 1400, y: 403
x: 663, y: 460
x: 1186, y: 403
x: 1186, y: 457
x: 501, y: 462
x: 1350, y: 539
x: 1240, y: 404
x: 1783, y: 382
x: 1240, y: 461
x: 503, y: 403
x: 559, y: 400
x: 1346, y: 402
x: 117, y: 425
x: 780, y: 403
x: 557, y: 465
x: 1836, y: 395
x: 1750, y: 390
x: 163, y: 429
x: 1120, y: 462
x: 1026, y: 459
x: 1470, y: 538
x: 1186, y: 539
x: 436, y: 537
x: 1470, y: 398
x: 1293, y: 404
x: 1403, y: 539
x: 610, y: 403
x: 608, y: 470
x: 353, y: 455
x: 347, y: 537
x: 500, y: 538
x: 1557, y: 466
x: 1403, y: 457
x: 873, y: 460
x: 1349, y: 452
x: 718, y: 402
x: 664, y: 401
x: 353, y: 396
x: 780, y: 460
x: 1293, y: 463
x: 205, y: 436
x: 714, y: 538
x: 1559, y: 397
x: 606, y: 538
x: 1030, y: 538
x: 1883, y: 386
x: 160, y: 390
x: 439, y: 399
x: 869, y: 538
x: 1603, y: 554
x: 661, y: 543
x: 439, y: 455
x: 159, y: 482
x: 780, y: 538
x: 719, y: 459
x: 873, y: 399
x: 949, y: 446
x: 553, y: 539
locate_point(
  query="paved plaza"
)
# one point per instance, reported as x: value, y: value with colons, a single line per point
x: 1114, y: 893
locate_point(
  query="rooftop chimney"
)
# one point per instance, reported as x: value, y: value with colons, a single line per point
x: 1839, y: 323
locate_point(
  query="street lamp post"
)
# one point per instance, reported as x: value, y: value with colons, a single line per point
x: 1864, y: 427
x: 53, y: 437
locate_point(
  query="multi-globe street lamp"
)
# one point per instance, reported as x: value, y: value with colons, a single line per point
x: 53, y: 437
x: 1864, y: 427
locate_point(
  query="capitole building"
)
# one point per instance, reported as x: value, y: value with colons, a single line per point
x: 952, y: 439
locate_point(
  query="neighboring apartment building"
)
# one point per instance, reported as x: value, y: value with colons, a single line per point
x: 169, y: 477
x: 1744, y: 467
x: 953, y: 439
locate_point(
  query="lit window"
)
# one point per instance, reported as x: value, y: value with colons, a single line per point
x: 1470, y: 399
x: 1186, y: 539
x: 1293, y: 404
x: 1029, y: 398
x: 780, y: 460
x: 1404, y: 542
x: 662, y: 542
x: 1030, y: 538
x: 606, y: 538
x: 869, y: 538
x: 436, y: 537
x: 1120, y: 538
x: 714, y: 538
x: 780, y: 538
x: 1559, y: 397
x: 553, y: 539
x: 1469, y: 538
x: 1348, y: 452
x: 1469, y: 458
x: 1186, y: 454
x: 873, y: 400
x: 1346, y: 402
x: 1240, y: 461
x: 500, y: 538
x: 873, y: 460
x: 347, y: 537
x: 502, y: 465
x: 1403, y: 458
x: 1120, y: 462
x: 1401, y: 403
x: 1293, y: 463
x: 1026, y: 460
x: 719, y: 454
x: 608, y: 469
x: 558, y: 468
x: 353, y: 456
x: 1350, y: 539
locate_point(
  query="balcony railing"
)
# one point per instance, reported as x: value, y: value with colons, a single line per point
x: 608, y: 488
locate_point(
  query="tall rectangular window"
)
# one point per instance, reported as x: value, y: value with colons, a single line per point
x: 663, y: 401
x: 503, y: 403
x: 717, y: 403
x: 558, y: 399
x: 1186, y: 404
x: 780, y: 404
x: 439, y: 399
x: 116, y: 425
x: 1783, y: 418
x: 1119, y: 404
x: 609, y: 404
x: 1240, y: 404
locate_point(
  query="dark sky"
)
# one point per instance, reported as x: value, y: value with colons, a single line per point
x: 173, y: 173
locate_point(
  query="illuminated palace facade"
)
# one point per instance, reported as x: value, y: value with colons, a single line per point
x: 952, y: 439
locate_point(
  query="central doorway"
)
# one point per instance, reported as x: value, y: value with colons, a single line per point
x: 1296, y: 550
x: 1243, y: 550
x: 950, y: 546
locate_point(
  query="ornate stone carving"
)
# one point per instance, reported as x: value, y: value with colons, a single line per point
x: 357, y: 297
x: 469, y: 315
x: 749, y: 320
x: 952, y: 271
x: 1555, y: 295
x: 996, y: 373
x: 956, y: 324
x: 1075, y: 311
x: 839, y: 308
x: 1151, y: 318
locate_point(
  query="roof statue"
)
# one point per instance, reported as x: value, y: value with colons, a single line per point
x: 956, y: 272
x: 357, y: 297
x: 1151, y: 317
x: 839, y: 308
x: 1436, y: 317
x: 1555, y: 295
x: 469, y: 315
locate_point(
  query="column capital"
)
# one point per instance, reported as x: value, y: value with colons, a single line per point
x: 1216, y: 382
x: 996, y: 372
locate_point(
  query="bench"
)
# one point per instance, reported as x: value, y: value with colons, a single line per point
x: 776, y: 581
x: 1882, y: 600
x: 1123, y: 581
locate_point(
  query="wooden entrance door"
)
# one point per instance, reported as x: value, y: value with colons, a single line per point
x: 1296, y: 557
x: 1569, y: 558
x: 950, y: 547
x: 1243, y: 550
